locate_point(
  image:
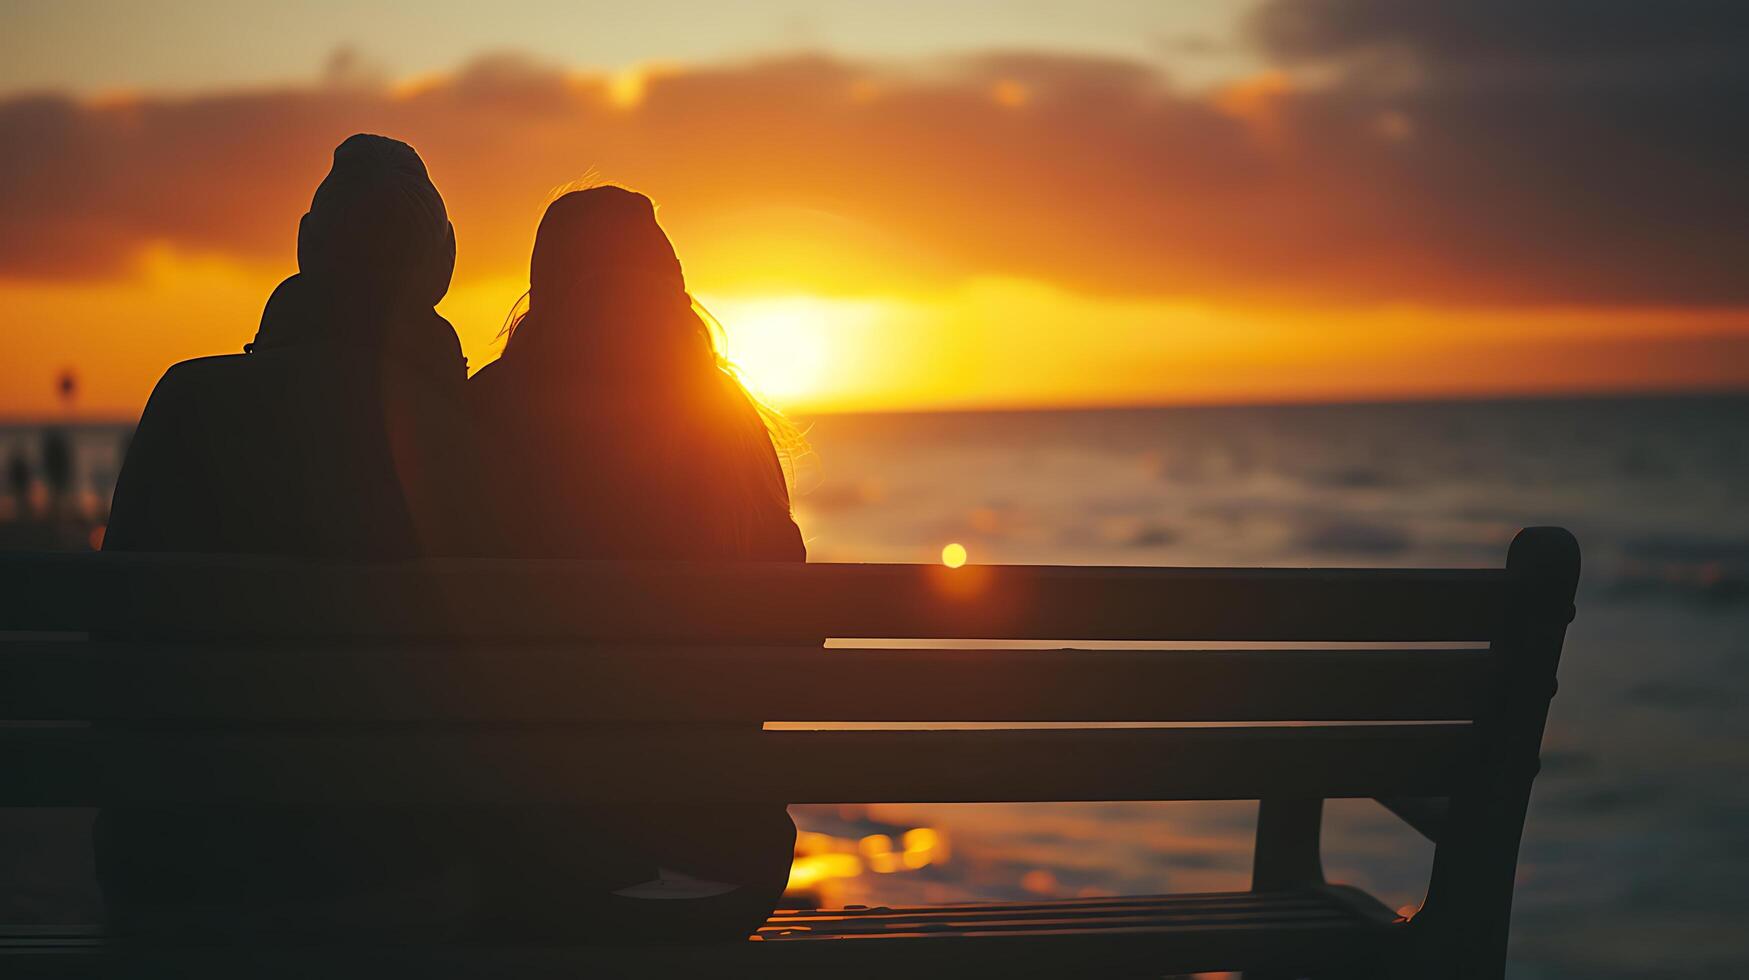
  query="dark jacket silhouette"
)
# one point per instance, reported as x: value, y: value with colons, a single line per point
x: 611, y: 431
x: 336, y: 435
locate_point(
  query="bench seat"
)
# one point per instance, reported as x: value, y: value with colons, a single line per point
x: 1332, y: 927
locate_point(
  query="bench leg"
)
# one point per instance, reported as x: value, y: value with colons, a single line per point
x: 1287, y: 851
x: 1286, y: 856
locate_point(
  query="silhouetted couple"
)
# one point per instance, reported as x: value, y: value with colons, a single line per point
x: 349, y: 429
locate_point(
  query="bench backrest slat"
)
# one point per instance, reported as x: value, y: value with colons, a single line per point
x: 61, y: 768
x: 311, y: 683
x: 750, y: 603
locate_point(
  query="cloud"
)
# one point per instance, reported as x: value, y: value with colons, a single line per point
x: 1593, y: 146
x: 1551, y: 32
x: 1476, y: 153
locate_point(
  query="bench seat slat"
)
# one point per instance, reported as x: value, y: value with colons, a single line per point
x: 1172, y: 934
x: 750, y: 601
x: 74, y: 767
x: 47, y: 680
x: 1126, y: 914
x: 1054, y: 905
x: 1108, y: 919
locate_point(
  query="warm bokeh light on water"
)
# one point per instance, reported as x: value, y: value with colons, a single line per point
x: 954, y: 555
x: 822, y: 858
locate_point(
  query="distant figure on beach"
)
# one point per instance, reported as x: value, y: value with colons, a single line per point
x: 613, y: 429
x: 340, y: 432
x: 18, y: 482
x: 57, y: 463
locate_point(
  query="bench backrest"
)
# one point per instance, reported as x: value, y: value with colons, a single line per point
x: 235, y: 680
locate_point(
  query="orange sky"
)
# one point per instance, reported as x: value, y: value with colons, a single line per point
x: 966, y: 230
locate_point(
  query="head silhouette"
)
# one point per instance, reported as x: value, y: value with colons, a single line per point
x: 606, y: 294
x: 377, y: 228
x: 608, y: 310
x: 594, y: 233
x: 375, y: 253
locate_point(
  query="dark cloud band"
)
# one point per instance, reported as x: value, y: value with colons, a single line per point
x: 1441, y: 153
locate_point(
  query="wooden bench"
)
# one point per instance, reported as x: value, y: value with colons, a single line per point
x: 437, y: 657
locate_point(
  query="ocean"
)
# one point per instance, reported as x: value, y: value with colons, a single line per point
x: 1637, y: 845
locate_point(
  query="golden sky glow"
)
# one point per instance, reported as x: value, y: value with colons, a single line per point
x: 989, y: 343
x: 1033, y: 227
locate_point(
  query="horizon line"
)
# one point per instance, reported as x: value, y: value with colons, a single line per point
x: 1480, y: 397
x: 1459, y: 398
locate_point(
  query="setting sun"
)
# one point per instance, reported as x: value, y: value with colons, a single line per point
x: 779, y: 345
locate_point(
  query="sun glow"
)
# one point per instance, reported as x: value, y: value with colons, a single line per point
x: 784, y: 347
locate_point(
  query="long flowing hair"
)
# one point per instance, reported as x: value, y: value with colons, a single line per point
x: 652, y: 326
x: 788, y: 440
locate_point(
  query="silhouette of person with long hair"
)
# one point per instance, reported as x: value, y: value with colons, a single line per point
x: 613, y: 428
x: 337, y: 434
